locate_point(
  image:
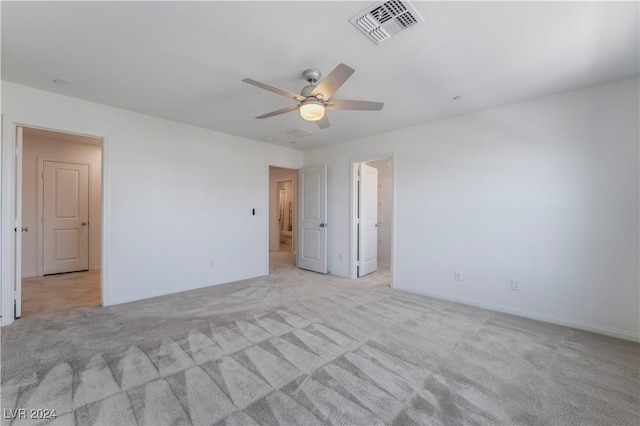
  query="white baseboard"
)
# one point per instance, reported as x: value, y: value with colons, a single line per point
x: 580, y: 325
x: 174, y: 291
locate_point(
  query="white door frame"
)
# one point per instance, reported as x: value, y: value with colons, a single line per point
x: 353, y: 220
x: 7, y: 208
x: 267, y: 210
x: 40, y: 209
x: 17, y: 246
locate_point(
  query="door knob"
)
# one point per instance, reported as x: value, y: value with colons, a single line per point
x: 84, y: 224
x: 25, y: 229
x: 322, y: 225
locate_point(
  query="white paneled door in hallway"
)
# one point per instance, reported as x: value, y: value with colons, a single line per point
x: 65, y: 217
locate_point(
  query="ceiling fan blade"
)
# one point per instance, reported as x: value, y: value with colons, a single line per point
x: 323, y: 123
x: 344, y: 104
x: 278, y: 112
x: 276, y: 90
x: 333, y: 81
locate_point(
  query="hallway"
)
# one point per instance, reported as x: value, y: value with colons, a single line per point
x: 61, y: 292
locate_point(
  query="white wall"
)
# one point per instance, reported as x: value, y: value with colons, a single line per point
x: 36, y: 149
x: 177, y: 197
x: 277, y: 174
x: 385, y: 200
x: 545, y: 192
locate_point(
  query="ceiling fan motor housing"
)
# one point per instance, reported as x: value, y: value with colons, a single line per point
x: 312, y: 76
x: 306, y: 91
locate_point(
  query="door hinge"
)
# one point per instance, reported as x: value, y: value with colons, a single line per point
x: 42, y: 176
x: 18, y: 151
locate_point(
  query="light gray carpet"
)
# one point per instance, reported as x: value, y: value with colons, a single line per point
x: 298, y: 348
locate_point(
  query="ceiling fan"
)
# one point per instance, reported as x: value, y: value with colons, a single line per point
x: 315, y: 98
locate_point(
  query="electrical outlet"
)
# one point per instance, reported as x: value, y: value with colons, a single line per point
x: 515, y: 285
x: 340, y: 257
x: 456, y: 276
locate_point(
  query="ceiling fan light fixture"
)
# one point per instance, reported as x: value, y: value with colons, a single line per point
x: 314, y: 99
x: 312, y: 110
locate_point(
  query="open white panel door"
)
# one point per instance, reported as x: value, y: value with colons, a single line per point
x: 312, y: 235
x: 18, y: 226
x: 368, y: 220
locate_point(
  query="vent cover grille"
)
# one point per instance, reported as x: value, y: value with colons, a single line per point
x: 297, y: 133
x: 381, y: 21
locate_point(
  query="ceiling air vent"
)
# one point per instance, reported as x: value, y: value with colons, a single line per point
x: 382, y: 20
x: 297, y: 133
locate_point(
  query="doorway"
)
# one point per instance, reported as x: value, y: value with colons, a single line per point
x: 282, y: 215
x: 372, y: 217
x: 285, y: 215
x: 60, y: 195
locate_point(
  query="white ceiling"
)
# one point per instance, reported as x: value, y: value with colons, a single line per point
x: 185, y: 61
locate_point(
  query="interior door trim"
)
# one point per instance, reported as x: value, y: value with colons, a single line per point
x: 7, y: 182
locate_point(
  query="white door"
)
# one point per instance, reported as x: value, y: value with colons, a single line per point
x: 66, y: 217
x: 367, y: 220
x: 312, y: 235
x: 19, y: 229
